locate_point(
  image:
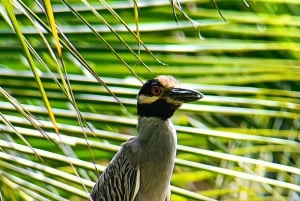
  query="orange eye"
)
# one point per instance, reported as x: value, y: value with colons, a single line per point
x: 156, y: 90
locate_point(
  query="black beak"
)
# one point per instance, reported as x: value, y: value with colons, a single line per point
x: 184, y: 95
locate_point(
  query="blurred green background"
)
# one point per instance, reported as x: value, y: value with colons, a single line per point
x: 70, y: 72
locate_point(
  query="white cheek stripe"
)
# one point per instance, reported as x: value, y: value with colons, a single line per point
x: 151, y: 99
x: 148, y: 99
x: 172, y: 101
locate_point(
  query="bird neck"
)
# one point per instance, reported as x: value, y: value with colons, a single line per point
x: 153, y: 129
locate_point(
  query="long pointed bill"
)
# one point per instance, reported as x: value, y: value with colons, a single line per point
x: 184, y: 95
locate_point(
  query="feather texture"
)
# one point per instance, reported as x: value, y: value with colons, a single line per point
x: 142, y: 168
x: 121, y: 179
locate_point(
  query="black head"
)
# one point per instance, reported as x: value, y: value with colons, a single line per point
x: 160, y: 97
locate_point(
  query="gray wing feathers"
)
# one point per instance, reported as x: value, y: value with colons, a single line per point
x: 120, y: 180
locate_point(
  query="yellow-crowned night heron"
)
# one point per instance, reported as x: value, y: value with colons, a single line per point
x: 142, y: 168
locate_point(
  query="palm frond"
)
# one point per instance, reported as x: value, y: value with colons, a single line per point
x: 239, y: 143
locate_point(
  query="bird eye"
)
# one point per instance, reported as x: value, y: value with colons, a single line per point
x: 156, y: 90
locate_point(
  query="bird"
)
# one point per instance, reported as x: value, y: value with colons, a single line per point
x: 141, y: 170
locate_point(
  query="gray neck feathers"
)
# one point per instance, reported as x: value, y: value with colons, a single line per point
x: 157, y: 135
x: 157, y: 151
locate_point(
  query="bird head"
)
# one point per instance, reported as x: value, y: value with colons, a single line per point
x: 161, y: 96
